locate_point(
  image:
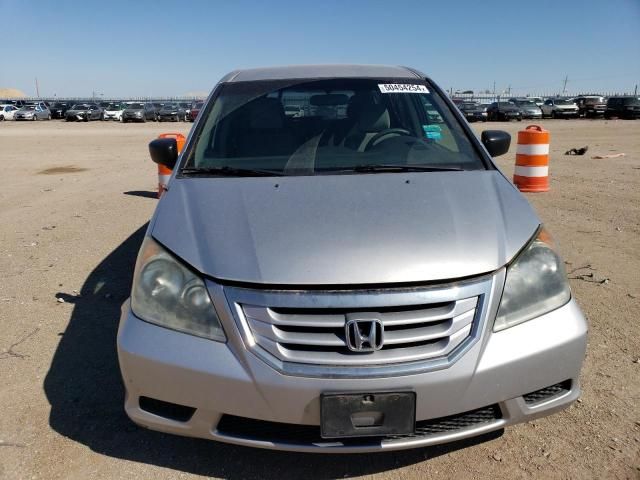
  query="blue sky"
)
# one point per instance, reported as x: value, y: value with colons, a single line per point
x: 162, y: 48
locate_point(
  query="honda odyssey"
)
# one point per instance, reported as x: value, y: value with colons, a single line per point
x: 359, y: 277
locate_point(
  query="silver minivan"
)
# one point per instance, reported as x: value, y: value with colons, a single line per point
x: 359, y: 277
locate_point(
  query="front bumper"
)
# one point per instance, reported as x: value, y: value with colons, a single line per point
x: 475, y: 116
x: 566, y: 113
x: 224, y: 380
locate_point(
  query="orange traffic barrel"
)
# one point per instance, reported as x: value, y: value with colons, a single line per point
x: 532, y: 160
x: 164, y: 173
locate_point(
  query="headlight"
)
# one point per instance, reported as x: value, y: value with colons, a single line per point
x: 536, y: 284
x: 168, y: 294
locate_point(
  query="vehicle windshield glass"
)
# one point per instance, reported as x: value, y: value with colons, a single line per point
x: 564, y: 102
x: 80, y: 106
x: 198, y: 105
x: 470, y: 105
x: 631, y: 101
x: 113, y: 106
x: 29, y: 107
x: 593, y: 100
x: 303, y: 128
x: 169, y: 106
x: 506, y: 104
x: 526, y: 103
x: 136, y: 106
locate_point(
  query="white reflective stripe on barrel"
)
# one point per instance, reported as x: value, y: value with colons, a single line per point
x: 531, y: 171
x: 533, y: 149
x: 163, y: 179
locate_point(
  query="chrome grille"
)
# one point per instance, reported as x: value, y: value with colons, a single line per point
x: 318, y: 337
x: 302, y: 332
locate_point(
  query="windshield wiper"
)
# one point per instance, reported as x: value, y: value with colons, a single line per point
x: 228, y: 171
x: 403, y: 168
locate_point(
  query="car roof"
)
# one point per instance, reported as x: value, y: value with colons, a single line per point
x: 320, y: 71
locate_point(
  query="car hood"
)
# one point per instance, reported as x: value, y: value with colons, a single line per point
x: 345, y: 229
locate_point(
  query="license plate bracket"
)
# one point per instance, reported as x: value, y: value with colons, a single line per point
x: 367, y: 414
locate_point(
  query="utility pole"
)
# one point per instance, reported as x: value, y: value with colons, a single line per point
x: 37, y: 88
x: 635, y: 91
x: 564, y: 85
x: 494, y: 88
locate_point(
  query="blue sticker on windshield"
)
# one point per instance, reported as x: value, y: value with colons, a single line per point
x: 432, y: 132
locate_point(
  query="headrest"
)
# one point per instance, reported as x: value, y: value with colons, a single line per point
x: 373, y: 118
x: 265, y: 113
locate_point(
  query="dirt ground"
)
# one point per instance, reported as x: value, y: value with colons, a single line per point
x: 73, y: 207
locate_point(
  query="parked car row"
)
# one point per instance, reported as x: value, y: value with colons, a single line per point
x: 84, y: 111
x: 587, y: 106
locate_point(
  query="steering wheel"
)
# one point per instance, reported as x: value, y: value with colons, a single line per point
x: 389, y: 131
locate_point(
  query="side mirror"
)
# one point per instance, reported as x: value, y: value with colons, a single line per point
x: 164, y: 151
x: 496, y: 142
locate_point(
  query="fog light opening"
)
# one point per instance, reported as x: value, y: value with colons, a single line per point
x: 168, y: 410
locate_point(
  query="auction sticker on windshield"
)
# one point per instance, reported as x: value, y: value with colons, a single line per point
x: 402, y: 88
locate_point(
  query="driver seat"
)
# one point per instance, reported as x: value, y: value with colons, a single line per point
x: 372, y: 119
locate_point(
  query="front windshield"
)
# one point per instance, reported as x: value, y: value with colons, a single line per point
x: 169, y: 106
x: 564, y: 102
x: 526, y: 103
x: 80, y: 106
x: 631, y: 101
x: 29, y: 107
x: 113, y: 106
x: 136, y: 106
x: 338, y: 125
